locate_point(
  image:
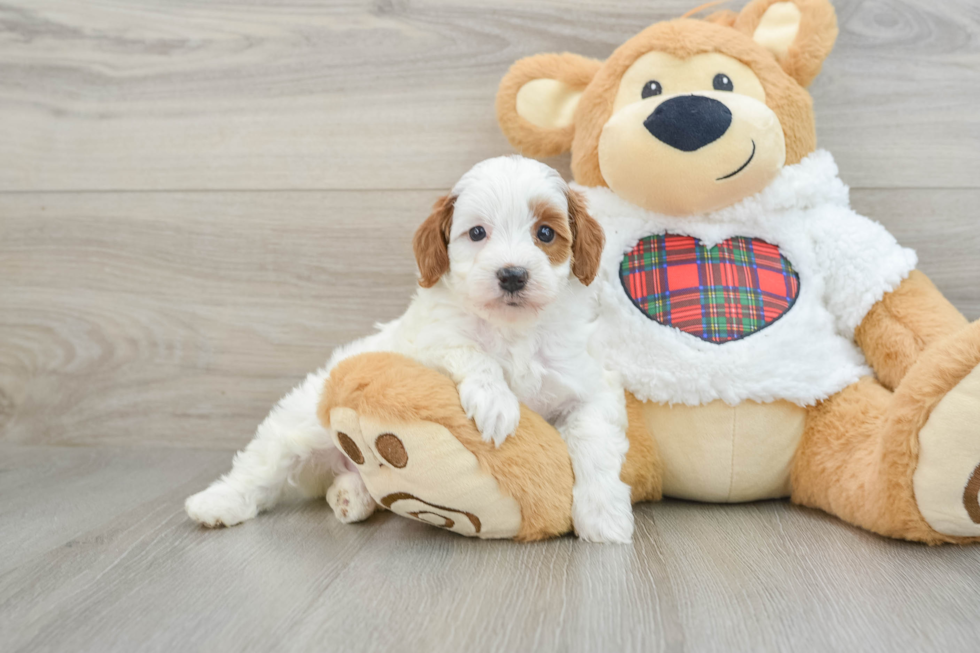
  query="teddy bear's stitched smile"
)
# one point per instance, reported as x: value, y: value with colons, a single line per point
x: 741, y: 167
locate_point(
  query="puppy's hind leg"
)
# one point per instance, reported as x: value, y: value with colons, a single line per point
x: 282, y: 442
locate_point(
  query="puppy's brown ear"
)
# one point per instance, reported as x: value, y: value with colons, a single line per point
x: 587, y: 239
x: 431, y: 242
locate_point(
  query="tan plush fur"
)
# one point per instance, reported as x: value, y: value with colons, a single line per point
x: 859, y: 452
x: 906, y: 321
x: 642, y: 470
x: 530, y: 139
x: 724, y: 17
x: 816, y: 36
x: 532, y: 466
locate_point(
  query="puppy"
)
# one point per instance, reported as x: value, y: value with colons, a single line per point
x: 505, y: 311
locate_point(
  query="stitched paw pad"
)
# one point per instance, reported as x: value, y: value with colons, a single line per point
x: 947, y: 477
x: 420, y: 471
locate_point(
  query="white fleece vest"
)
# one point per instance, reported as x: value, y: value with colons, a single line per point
x: 845, y: 263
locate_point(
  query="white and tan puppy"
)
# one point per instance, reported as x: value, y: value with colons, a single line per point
x: 505, y: 311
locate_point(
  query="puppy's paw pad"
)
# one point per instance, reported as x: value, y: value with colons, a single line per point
x: 350, y: 500
x: 219, y: 506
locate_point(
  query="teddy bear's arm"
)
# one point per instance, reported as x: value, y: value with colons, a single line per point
x: 900, y: 326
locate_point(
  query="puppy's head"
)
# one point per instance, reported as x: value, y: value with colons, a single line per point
x: 508, y: 239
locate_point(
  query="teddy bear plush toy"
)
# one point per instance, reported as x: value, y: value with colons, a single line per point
x: 773, y: 342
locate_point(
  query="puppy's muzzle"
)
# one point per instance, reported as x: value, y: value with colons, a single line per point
x: 512, y: 279
x: 689, y: 122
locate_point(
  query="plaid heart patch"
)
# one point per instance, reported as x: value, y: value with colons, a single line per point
x: 719, y: 294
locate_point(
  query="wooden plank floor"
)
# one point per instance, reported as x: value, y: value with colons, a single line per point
x: 199, y: 200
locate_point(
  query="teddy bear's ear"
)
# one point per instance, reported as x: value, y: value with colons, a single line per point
x: 537, y: 98
x: 799, y: 33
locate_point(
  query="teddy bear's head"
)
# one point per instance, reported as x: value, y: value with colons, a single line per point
x: 686, y: 117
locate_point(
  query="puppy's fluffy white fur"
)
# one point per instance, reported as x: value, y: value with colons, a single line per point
x: 501, y: 348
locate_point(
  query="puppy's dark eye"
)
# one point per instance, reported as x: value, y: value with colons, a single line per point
x: 546, y: 234
x: 477, y: 233
x: 722, y: 82
x: 651, y: 88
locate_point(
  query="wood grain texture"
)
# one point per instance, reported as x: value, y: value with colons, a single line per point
x: 50, y: 495
x: 759, y: 577
x: 179, y: 319
x: 178, y: 94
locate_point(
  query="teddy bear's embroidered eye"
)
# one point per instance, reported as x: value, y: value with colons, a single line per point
x: 651, y: 88
x: 722, y: 82
x: 546, y: 234
x: 477, y: 233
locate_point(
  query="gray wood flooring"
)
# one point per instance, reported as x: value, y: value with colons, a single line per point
x: 198, y: 200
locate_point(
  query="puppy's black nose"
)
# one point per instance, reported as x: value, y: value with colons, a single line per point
x: 512, y: 279
x: 689, y: 122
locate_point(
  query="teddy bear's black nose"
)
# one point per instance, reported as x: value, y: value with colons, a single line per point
x: 689, y: 122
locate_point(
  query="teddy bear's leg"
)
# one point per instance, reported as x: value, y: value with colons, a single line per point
x: 401, y: 425
x: 906, y: 322
x: 906, y: 463
x: 643, y: 467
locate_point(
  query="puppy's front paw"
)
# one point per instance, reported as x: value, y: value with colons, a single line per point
x: 219, y: 505
x: 599, y: 517
x: 493, y: 407
x: 350, y: 500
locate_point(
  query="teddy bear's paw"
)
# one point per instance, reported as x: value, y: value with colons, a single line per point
x: 947, y: 477
x: 349, y: 499
x: 603, y: 514
x: 219, y: 505
x: 421, y: 471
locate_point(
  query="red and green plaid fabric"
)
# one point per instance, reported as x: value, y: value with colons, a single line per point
x: 719, y: 294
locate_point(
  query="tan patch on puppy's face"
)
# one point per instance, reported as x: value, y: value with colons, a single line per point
x: 547, y: 215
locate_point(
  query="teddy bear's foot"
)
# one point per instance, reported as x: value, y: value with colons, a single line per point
x: 947, y: 477
x: 402, y: 427
x: 420, y: 471
x: 903, y: 463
